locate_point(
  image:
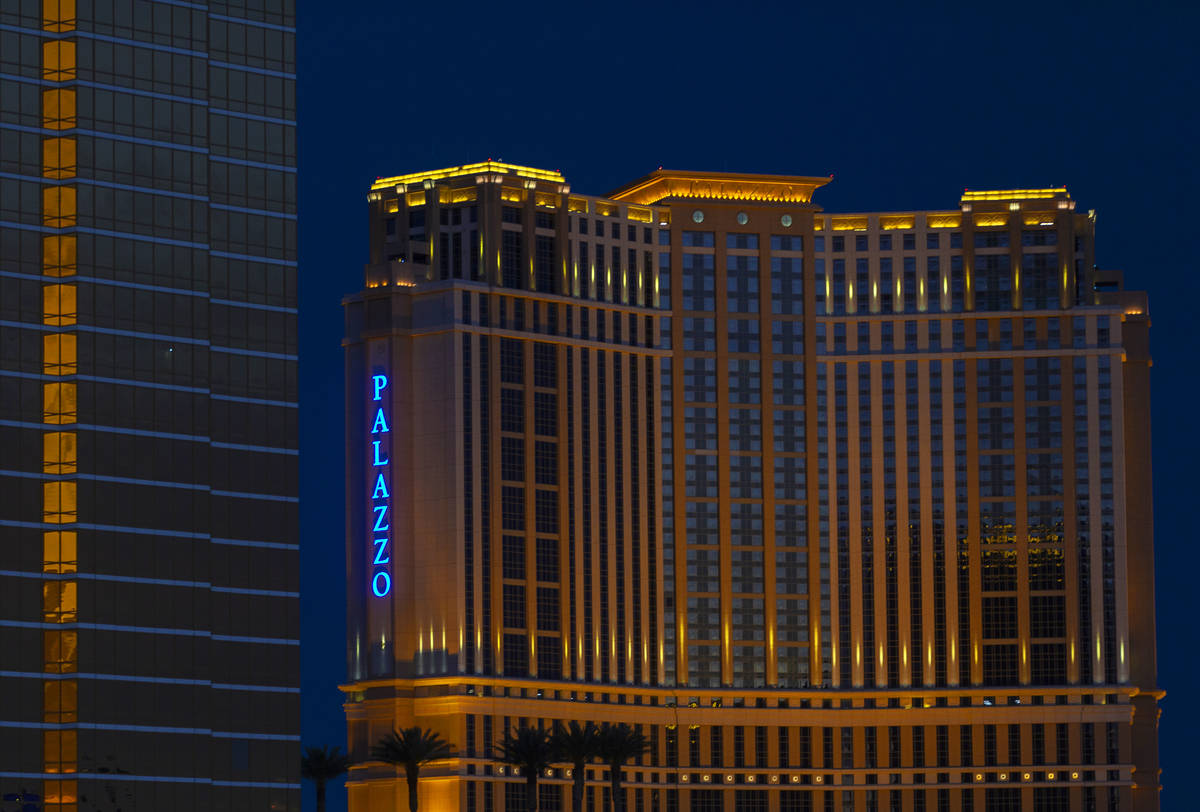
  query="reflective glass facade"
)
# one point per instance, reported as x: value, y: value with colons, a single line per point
x: 149, y: 571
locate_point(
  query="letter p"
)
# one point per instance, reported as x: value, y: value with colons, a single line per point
x: 379, y: 382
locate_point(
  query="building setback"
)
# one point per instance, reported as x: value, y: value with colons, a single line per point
x: 843, y: 511
x: 149, y: 564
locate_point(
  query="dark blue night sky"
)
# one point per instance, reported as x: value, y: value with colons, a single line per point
x: 905, y: 107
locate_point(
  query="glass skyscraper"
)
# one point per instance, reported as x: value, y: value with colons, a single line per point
x: 843, y: 511
x: 148, y: 444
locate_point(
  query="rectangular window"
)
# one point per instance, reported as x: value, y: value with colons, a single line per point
x: 58, y: 158
x: 58, y: 452
x: 59, y: 355
x: 59, y: 551
x: 59, y: 503
x: 58, y: 109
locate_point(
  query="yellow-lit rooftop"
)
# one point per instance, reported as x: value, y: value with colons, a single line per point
x: 488, y: 166
x: 971, y: 196
x: 662, y: 184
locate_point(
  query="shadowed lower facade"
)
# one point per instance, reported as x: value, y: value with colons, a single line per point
x: 845, y: 511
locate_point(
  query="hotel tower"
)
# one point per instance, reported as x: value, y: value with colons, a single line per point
x: 843, y: 511
x: 149, y: 652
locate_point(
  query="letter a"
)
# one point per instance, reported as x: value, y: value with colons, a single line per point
x: 380, y: 423
x: 381, y: 491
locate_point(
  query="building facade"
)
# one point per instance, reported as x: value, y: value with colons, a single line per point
x: 149, y: 570
x: 844, y: 511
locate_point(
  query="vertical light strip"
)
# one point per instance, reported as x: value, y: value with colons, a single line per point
x: 59, y: 447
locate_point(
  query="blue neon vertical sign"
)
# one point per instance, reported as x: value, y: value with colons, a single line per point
x: 381, y: 497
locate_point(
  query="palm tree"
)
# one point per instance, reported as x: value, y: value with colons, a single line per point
x: 410, y: 748
x: 579, y: 745
x: 322, y: 764
x: 618, y: 744
x: 529, y: 749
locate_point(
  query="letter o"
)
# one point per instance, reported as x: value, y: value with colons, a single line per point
x: 385, y: 579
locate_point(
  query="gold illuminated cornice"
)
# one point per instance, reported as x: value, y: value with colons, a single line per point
x: 1015, y: 194
x: 663, y: 184
x: 494, y: 167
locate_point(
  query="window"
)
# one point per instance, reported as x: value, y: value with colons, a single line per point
x: 512, y: 459
x: 512, y: 410
x: 548, y: 616
x: 513, y: 508
x: 513, y: 551
x: 545, y: 413
x: 547, y: 560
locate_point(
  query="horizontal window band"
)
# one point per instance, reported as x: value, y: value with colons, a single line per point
x: 88, y: 576
x: 131, y: 139
x: 276, y: 641
x: 117, y: 480
x: 151, y: 483
x: 260, y: 212
x: 104, y: 184
x: 287, y: 404
x: 256, y: 23
x: 269, y: 689
x: 264, y: 449
x: 166, y: 632
x: 255, y: 306
x: 263, y: 593
x: 159, y: 779
x: 114, y: 381
x: 139, y: 44
x: 120, y: 235
x: 269, y: 497
x: 260, y: 71
x: 125, y: 235
x: 166, y: 339
x: 251, y: 258
x: 87, y: 328
x: 226, y: 159
x: 189, y: 683
x: 150, y: 94
x: 186, y: 731
x: 268, y: 737
x: 279, y: 356
x: 108, y: 528
x: 267, y: 545
x: 99, y: 280
x: 285, y: 122
x: 129, y: 579
x: 158, y: 435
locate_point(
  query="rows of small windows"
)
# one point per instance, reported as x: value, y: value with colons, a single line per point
x: 850, y: 336
x: 554, y: 319
x: 253, y: 45
x: 1061, y: 747
x: 613, y: 273
x: 907, y: 241
x: 743, y: 292
x: 486, y: 795
x: 877, y: 288
x: 616, y: 230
